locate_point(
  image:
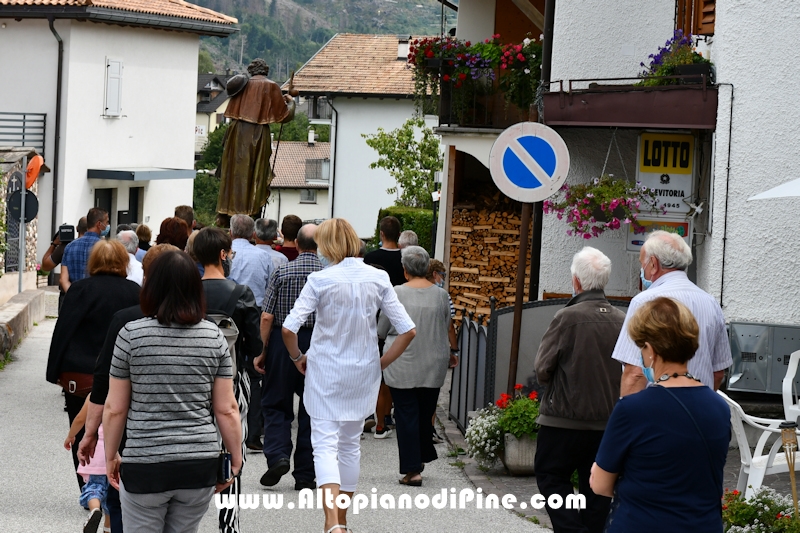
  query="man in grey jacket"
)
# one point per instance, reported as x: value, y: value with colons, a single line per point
x: 582, y: 385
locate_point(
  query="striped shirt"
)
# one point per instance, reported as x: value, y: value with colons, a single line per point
x: 286, y: 284
x: 172, y: 371
x: 343, y: 372
x: 714, y: 352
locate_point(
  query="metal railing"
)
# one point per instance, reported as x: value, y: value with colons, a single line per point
x: 23, y: 129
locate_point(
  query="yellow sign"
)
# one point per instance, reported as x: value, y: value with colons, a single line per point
x: 666, y: 153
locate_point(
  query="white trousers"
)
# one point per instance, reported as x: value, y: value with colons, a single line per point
x: 337, y: 452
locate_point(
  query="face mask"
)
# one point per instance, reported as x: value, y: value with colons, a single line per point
x: 324, y: 260
x: 226, y: 266
x: 440, y: 284
x: 649, y: 373
x: 646, y: 283
x: 106, y: 231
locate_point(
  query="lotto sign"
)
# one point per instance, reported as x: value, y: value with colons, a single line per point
x: 666, y: 164
x: 529, y: 162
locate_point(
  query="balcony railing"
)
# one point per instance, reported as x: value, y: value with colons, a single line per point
x: 23, y: 129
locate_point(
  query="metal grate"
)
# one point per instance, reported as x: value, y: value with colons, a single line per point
x: 748, y: 357
x: 23, y: 129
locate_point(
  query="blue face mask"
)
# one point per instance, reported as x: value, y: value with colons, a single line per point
x: 324, y: 260
x: 649, y: 373
x: 440, y: 284
x: 106, y: 231
x: 646, y: 283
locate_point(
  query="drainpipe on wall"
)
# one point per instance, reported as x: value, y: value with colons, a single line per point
x: 57, y: 136
x: 335, y: 132
x: 727, y: 191
x: 538, y: 214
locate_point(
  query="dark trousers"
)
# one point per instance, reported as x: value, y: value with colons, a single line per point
x: 560, y: 452
x: 114, y: 509
x: 255, y: 421
x: 413, y: 410
x: 278, y: 387
x: 74, y: 405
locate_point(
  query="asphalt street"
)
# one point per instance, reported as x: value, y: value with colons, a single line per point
x: 40, y: 494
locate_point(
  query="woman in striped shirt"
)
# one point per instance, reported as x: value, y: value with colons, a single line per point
x: 342, y: 366
x: 171, y: 375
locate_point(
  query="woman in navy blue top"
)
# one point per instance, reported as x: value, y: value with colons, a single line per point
x: 664, y: 448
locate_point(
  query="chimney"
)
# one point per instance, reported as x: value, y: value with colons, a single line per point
x: 311, y: 138
x: 402, y: 47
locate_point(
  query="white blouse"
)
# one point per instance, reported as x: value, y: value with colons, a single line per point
x: 343, y: 371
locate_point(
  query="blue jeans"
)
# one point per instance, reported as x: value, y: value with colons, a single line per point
x: 95, y: 489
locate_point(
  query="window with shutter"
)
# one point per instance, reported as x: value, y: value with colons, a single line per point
x: 695, y: 16
x: 113, y: 99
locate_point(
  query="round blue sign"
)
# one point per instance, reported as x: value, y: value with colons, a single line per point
x: 518, y: 172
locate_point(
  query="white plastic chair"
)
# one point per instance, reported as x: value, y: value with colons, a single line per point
x: 791, y: 409
x: 757, y: 464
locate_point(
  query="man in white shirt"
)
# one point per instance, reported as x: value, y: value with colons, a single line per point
x: 130, y: 241
x: 266, y: 233
x: 664, y: 258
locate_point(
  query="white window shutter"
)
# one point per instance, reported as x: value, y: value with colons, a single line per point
x: 113, y: 103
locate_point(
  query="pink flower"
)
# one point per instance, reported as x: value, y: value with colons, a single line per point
x: 587, y: 236
x: 503, y: 66
x: 586, y: 200
x: 585, y: 211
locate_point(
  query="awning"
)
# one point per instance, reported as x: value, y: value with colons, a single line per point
x: 140, y: 174
x: 785, y: 190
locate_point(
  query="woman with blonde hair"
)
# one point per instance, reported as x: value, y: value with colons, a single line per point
x: 342, y: 366
x: 85, y: 316
x: 664, y: 448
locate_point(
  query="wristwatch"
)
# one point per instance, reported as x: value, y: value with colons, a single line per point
x: 455, y: 351
x: 296, y: 359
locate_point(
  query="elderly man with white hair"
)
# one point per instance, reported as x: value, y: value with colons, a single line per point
x: 582, y: 383
x: 664, y: 258
x: 130, y: 241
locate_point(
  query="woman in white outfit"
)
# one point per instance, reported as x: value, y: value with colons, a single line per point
x: 342, y: 366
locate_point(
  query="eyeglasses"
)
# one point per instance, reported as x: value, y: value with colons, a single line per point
x: 442, y: 274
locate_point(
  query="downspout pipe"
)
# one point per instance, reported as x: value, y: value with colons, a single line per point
x: 727, y: 191
x: 335, y: 126
x: 57, y: 136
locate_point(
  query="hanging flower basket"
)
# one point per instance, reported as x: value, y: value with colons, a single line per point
x: 602, y: 204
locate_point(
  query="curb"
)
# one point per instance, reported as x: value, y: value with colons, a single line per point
x: 18, y: 315
x: 490, y: 484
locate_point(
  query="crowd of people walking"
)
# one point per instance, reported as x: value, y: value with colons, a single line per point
x: 177, y: 358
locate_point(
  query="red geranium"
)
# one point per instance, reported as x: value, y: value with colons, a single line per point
x: 533, y: 395
x: 518, y: 386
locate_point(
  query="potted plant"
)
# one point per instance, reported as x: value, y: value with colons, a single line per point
x: 506, y: 430
x: 767, y: 512
x: 517, y: 421
x: 677, y: 57
x: 601, y: 204
x: 520, y: 72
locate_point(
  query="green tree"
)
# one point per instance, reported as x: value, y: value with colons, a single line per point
x: 206, y: 191
x: 273, y: 8
x: 204, y: 62
x: 411, y: 155
x: 212, y: 151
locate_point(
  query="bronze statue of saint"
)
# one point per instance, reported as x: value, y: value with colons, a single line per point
x: 245, y: 173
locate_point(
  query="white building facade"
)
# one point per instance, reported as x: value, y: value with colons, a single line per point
x: 127, y: 106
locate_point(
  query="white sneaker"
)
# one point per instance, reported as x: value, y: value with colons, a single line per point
x: 95, y: 515
x: 382, y: 433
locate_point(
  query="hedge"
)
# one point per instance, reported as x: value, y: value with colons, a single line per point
x: 417, y: 219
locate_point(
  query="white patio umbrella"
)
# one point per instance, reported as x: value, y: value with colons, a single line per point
x: 785, y: 190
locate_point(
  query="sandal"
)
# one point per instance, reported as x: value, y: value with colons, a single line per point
x: 338, y: 526
x: 406, y: 480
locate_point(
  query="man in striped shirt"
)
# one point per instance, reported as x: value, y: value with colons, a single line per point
x: 664, y: 258
x: 282, y: 380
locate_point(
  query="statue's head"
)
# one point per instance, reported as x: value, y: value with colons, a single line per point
x: 258, y: 67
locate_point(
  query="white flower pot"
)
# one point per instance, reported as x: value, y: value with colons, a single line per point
x: 518, y: 454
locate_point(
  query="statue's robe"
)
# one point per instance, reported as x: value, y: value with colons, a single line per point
x: 245, y: 172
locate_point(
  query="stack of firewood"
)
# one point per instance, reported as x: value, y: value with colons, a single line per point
x: 484, y: 252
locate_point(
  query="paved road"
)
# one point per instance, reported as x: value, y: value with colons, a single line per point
x: 39, y: 491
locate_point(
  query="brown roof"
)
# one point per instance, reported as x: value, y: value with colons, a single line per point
x: 290, y: 166
x: 168, y: 8
x: 356, y: 64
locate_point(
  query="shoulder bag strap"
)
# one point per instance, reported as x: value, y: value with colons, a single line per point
x: 702, y: 436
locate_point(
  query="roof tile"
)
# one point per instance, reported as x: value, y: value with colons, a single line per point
x: 168, y: 8
x: 357, y: 64
x: 290, y: 166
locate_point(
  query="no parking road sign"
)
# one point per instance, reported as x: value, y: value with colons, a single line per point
x: 529, y: 162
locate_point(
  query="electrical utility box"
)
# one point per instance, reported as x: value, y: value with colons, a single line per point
x: 761, y: 356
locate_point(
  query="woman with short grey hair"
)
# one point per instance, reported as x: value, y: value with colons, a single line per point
x: 417, y: 375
